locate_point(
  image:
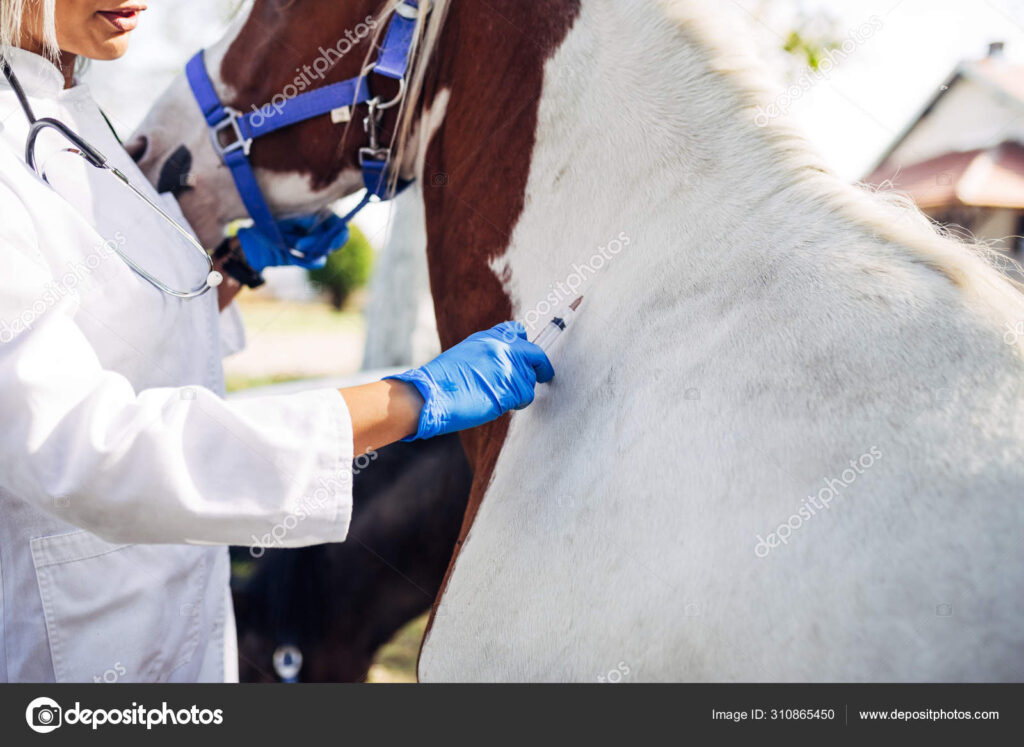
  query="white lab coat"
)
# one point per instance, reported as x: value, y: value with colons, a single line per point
x: 123, y: 472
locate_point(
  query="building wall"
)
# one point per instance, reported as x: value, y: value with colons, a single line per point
x: 968, y: 117
x: 1000, y: 226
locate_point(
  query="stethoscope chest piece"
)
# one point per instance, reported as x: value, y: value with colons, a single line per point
x: 287, y: 663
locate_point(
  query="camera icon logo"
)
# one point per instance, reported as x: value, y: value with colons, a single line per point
x: 43, y: 715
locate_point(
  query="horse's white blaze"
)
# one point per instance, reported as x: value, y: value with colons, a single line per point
x: 212, y: 200
x: 760, y: 331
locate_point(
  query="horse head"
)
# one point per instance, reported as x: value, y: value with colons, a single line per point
x: 279, y: 50
x: 465, y: 127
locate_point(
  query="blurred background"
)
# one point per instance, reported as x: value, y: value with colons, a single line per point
x: 925, y: 96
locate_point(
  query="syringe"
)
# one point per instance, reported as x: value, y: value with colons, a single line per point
x: 556, y: 326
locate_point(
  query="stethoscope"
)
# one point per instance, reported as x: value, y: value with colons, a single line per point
x: 97, y: 159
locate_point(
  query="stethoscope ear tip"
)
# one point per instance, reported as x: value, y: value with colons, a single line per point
x: 214, y: 279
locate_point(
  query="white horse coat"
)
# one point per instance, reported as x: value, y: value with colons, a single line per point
x: 767, y: 332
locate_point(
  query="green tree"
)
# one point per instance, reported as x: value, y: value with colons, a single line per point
x: 805, y: 35
x: 810, y: 47
x: 347, y: 269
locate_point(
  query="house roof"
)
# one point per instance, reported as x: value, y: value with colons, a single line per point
x: 990, y: 177
x: 1006, y: 77
x: 999, y: 76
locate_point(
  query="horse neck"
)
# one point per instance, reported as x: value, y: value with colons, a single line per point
x: 623, y: 122
x: 639, y: 135
x: 644, y: 131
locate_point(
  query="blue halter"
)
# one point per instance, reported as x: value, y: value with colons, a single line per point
x: 233, y: 132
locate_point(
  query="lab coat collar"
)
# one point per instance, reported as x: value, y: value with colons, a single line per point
x: 38, y: 76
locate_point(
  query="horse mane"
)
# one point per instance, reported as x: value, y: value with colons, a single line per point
x: 979, y: 271
x: 425, y: 42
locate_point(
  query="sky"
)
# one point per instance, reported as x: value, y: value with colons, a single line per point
x: 880, y: 87
x: 851, y: 115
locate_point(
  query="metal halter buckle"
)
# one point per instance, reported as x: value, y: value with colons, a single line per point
x: 408, y: 11
x: 382, y: 105
x: 374, y: 154
x: 371, y: 123
x: 229, y: 124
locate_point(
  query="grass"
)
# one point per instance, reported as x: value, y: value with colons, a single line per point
x: 239, y: 383
x: 292, y: 340
x: 395, y: 662
x: 287, y: 316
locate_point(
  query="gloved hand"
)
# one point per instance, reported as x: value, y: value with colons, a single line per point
x: 478, y: 380
x: 309, y: 239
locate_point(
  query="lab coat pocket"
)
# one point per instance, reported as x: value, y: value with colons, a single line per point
x: 119, y: 613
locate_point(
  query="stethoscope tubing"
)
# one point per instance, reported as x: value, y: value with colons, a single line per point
x: 91, y: 154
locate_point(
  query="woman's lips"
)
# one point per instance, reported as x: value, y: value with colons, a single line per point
x: 123, y: 19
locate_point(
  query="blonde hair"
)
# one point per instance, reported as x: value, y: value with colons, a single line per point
x: 12, y: 17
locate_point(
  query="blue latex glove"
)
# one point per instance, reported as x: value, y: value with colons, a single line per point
x: 311, y: 237
x: 478, y: 380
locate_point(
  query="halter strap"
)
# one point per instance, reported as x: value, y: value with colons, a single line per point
x: 232, y: 132
x: 393, y: 61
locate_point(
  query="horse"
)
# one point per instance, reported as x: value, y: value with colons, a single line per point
x: 785, y: 439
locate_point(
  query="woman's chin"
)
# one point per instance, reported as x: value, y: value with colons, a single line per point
x: 111, y: 49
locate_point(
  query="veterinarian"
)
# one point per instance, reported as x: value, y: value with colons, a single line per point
x: 123, y: 472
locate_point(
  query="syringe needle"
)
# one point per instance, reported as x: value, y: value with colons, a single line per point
x: 556, y: 326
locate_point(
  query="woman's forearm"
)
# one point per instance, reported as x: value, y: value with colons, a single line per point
x: 480, y: 379
x: 382, y: 412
